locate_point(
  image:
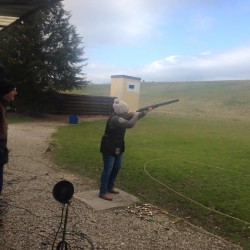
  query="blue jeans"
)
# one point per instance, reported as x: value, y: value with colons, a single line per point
x: 1, y: 178
x: 111, y: 167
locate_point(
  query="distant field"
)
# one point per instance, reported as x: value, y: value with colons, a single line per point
x: 222, y: 99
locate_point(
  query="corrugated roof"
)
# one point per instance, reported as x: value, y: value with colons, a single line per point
x: 14, y: 10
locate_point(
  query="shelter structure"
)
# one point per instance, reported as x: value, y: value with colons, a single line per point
x: 12, y: 11
x: 127, y: 89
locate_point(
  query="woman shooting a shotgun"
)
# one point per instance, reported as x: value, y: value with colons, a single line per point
x: 113, y: 145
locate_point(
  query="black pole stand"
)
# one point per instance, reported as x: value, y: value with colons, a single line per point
x: 63, y: 245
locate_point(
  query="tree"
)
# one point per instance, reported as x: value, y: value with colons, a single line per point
x: 43, y: 54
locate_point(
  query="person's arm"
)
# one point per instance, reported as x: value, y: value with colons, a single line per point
x: 121, y: 122
x: 144, y: 112
x: 124, y: 122
x: 141, y: 114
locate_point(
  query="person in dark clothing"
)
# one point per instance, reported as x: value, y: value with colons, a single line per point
x: 113, y: 145
x: 7, y: 94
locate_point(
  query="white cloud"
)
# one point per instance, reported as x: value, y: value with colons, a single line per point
x: 172, y: 59
x: 110, y: 23
x: 126, y: 21
x: 229, y: 65
x: 113, y: 21
x: 205, y: 53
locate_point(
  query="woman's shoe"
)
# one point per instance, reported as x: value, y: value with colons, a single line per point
x: 106, y: 197
x: 114, y: 191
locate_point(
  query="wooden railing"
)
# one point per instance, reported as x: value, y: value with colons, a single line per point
x: 71, y: 104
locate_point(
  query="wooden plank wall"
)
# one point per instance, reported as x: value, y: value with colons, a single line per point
x: 71, y: 104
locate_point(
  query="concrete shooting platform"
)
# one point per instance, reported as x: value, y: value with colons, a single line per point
x: 92, y: 199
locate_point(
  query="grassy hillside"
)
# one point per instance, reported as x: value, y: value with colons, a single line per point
x: 221, y: 99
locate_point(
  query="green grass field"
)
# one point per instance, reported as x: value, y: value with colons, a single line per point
x: 190, y: 158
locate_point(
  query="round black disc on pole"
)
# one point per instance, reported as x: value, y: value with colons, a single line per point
x: 63, y: 191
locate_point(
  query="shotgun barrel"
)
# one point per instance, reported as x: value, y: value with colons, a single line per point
x: 157, y: 105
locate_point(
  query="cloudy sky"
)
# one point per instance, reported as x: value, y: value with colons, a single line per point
x: 164, y: 40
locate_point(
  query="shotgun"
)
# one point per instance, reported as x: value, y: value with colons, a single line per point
x: 129, y: 115
x: 154, y: 106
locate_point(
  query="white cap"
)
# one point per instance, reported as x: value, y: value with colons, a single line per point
x: 120, y: 107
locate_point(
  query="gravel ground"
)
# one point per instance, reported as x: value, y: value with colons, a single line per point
x: 30, y: 217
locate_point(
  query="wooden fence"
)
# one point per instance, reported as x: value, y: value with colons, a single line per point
x: 71, y: 104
